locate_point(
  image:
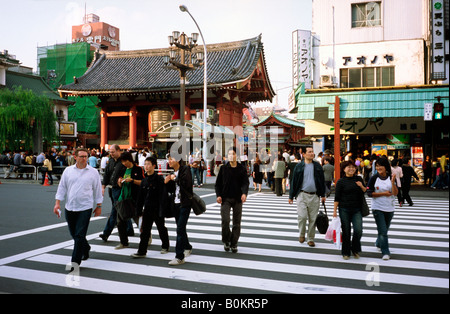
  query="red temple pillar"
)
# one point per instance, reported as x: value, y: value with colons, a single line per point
x: 133, y: 126
x: 104, y: 129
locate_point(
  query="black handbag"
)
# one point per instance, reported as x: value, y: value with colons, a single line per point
x: 126, y: 209
x: 322, y: 221
x: 198, y: 205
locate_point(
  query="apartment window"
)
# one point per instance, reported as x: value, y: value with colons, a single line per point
x: 367, y: 77
x: 366, y: 14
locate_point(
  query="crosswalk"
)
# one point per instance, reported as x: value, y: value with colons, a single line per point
x: 270, y: 258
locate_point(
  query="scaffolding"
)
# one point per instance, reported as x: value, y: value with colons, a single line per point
x: 58, y: 65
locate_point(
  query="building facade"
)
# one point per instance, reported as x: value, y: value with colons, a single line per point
x: 140, y: 96
x: 97, y: 34
x: 384, y: 62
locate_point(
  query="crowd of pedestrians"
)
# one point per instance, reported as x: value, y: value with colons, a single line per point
x: 310, y: 180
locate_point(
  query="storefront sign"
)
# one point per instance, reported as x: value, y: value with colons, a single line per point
x: 363, y: 60
x: 379, y: 149
x: 398, y: 141
x: 301, y: 58
x: 428, y: 112
x: 322, y: 125
x: 68, y: 129
x: 438, y: 71
x: 99, y: 39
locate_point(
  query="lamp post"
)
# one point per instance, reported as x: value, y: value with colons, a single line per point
x: 183, y: 45
x: 183, y: 8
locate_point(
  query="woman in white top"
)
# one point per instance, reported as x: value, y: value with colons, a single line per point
x: 383, y: 189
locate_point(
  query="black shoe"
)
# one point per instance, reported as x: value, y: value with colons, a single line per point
x: 85, y: 256
x: 226, y: 247
x: 138, y: 255
x: 234, y: 249
x: 104, y: 238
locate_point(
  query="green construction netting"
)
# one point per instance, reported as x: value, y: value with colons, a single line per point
x: 58, y: 64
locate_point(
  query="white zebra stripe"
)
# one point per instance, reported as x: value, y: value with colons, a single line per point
x: 268, y: 285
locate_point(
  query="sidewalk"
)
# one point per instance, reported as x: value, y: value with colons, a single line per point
x: 417, y: 190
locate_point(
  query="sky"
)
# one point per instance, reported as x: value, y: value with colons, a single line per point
x: 145, y: 24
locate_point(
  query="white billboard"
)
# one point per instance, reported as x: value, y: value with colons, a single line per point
x: 301, y: 58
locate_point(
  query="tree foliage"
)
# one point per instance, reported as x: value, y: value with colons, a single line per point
x: 22, y: 113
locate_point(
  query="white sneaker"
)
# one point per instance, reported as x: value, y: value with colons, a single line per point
x: 121, y: 246
x: 176, y: 262
x: 386, y: 257
x: 187, y: 253
x: 164, y: 251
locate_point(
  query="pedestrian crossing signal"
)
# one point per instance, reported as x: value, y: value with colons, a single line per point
x: 438, y: 111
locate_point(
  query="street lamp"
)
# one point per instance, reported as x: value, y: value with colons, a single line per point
x: 183, y: 8
x: 183, y: 45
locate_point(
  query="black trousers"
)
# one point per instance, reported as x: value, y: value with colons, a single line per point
x: 406, y: 186
x: 279, y: 186
x: 231, y: 236
x: 78, y: 223
x: 148, y: 218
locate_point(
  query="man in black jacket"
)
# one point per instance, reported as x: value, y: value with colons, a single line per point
x: 148, y: 205
x: 110, y: 177
x: 408, y: 174
x: 231, y: 191
x: 180, y: 183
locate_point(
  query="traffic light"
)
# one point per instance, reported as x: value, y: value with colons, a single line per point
x: 438, y: 111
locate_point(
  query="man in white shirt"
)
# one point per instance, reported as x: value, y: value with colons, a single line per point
x: 82, y: 186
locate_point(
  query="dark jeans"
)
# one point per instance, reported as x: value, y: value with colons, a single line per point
x: 279, y: 186
x: 114, y: 194
x: 383, y: 221
x: 78, y: 223
x: 231, y: 236
x: 181, y: 218
x: 148, y: 218
x: 349, y: 217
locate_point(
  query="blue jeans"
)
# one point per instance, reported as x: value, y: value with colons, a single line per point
x: 181, y: 218
x: 383, y: 221
x: 351, y: 216
x: 78, y: 223
x: 196, y: 174
x: 112, y: 220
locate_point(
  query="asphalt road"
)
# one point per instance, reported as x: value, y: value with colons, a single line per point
x: 270, y: 260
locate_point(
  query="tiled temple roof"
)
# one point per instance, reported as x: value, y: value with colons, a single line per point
x: 143, y: 71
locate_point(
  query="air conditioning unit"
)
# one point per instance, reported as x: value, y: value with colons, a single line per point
x: 327, y: 81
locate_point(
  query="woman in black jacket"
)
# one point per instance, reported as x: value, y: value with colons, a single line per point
x: 180, y: 183
x: 349, y: 192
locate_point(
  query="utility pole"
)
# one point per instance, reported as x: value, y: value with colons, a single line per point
x: 337, y: 138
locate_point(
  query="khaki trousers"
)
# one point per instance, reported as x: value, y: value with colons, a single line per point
x: 307, y: 210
